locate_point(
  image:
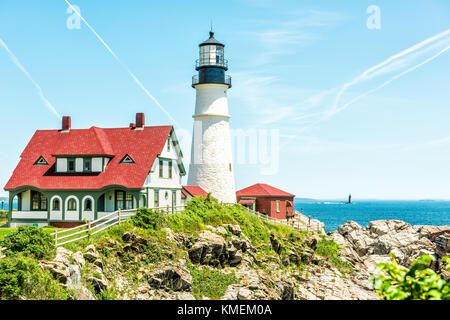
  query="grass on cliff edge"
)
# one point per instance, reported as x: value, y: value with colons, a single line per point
x: 200, y: 212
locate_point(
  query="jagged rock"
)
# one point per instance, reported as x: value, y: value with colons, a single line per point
x: 312, y: 243
x: 99, y: 284
x: 78, y: 259
x: 211, y: 249
x: 234, y: 256
x: 240, y: 244
x: 128, y: 236
x: 57, y: 269
x: 219, y: 229
x: 381, y: 238
x: 98, y: 263
x: 234, y: 229
x: 91, y: 253
x: 172, y: 277
x: 286, y: 290
x: 82, y: 293
x: 244, y: 294
x: 276, y: 245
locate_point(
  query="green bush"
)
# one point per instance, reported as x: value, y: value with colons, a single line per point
x: 22, y: 278
x: 148, y: 219
x: 393, y: 282
x: 29, y: 241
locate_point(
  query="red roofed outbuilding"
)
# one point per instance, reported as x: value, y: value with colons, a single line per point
x: 266, y: 199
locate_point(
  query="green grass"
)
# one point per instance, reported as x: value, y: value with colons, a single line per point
x: 331, y: 249
x: 208, y: 282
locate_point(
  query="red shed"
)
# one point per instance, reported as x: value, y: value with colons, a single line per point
x: 264, y: 198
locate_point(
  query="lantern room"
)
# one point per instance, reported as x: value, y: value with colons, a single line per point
x: 211, y: 65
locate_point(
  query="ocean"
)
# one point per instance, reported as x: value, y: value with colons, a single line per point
x: 335, y: 213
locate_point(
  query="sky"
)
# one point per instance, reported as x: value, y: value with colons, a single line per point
x: 335, y: 97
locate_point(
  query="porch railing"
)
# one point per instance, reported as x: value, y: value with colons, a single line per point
x: 92, y: 228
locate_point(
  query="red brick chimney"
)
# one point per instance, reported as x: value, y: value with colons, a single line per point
x: 66, y: 124
x: 140, y: 121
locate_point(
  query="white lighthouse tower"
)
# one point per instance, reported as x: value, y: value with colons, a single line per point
x: 211, y: 164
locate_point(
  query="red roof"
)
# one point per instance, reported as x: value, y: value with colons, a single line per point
x: 143, y: 146
x: 195, y: 191
x: 246, y: 201
x: 262, y: 190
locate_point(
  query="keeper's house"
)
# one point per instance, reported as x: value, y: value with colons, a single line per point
x: 68, y: 176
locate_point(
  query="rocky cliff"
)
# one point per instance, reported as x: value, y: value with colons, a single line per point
x: 364, y: 247
x: 184, y: 257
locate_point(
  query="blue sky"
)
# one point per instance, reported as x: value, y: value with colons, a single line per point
x: 355, y: 112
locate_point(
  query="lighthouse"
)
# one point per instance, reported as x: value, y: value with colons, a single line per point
x: 211, y: 164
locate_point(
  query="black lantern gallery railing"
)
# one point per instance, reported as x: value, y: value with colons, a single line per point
x: 195, y: 81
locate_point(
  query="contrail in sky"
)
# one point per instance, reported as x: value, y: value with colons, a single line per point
x: 383, y: 67
x: 124, y: 66
x: 22, y: 68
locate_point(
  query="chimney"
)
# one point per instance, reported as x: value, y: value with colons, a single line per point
x: 66, y: 124
x: 140, y: 121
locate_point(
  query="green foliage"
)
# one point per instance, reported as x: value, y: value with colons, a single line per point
x: 200, y: 212
x: 393, y: 282
x: 108, y: 294
x: 22, y: 278
x: 331, y: 249
x: 207, y: 282
x: 148, y: 219
x: 30, y: 241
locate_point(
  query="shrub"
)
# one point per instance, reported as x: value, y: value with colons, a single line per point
x: 30, y: 241
x: 148, y: 219
x: 22, y: 278
x: 393, y: 282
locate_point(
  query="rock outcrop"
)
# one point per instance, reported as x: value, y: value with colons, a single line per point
x: 364, y: 247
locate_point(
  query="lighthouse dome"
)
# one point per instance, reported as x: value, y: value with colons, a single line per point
x: 211, y: 41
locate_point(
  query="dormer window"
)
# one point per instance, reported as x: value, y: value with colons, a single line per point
x: 127, y: 159
x: 41, y: 162
x: 87, y: 164
x: 70, y: 165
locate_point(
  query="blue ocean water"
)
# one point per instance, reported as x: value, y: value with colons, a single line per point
x: 335, y: 213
